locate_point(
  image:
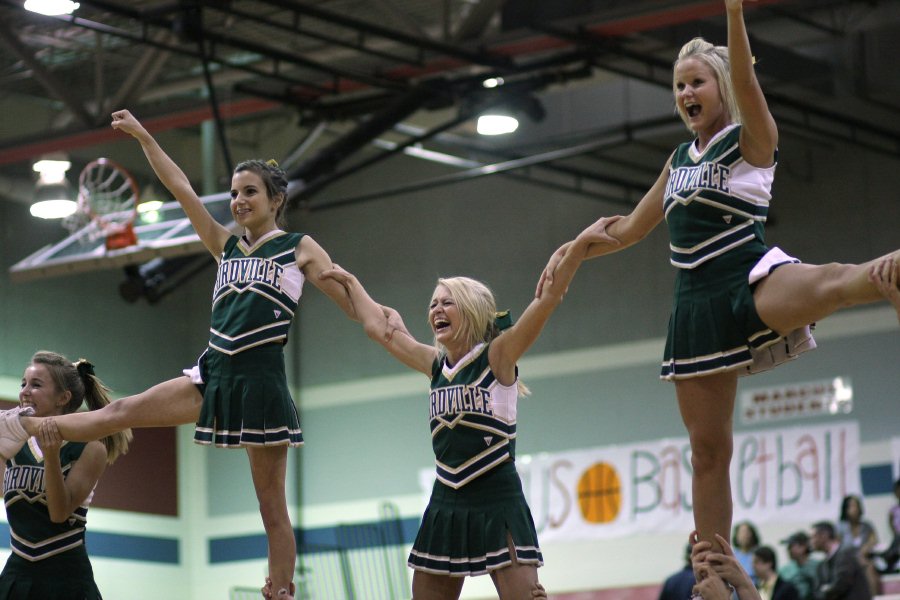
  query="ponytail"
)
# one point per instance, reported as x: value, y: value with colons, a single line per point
x: 84, y: 386
x: 96, y: 396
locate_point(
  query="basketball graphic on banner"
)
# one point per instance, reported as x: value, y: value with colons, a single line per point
x: 600, y: 493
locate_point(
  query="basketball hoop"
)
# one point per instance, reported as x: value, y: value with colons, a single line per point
x: 109, y: 195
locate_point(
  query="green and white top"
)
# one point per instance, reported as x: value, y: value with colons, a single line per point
x: 257, y: 292
x: 714, y: 200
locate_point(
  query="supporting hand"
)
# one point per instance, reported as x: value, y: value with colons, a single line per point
x: 48, y: 436
x: 596, y: 233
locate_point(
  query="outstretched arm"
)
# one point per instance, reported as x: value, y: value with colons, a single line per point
x: 617, y: 233
x: 885, y: 275
x: 211, y: 232
x: 383, y: 324
x: 759, y: 134
x: 506, y: 350
x: 313, y: 260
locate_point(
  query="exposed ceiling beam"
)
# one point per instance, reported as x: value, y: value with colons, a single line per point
x: 145, y: 72
x: 479, y: 58
x: 56, y: 88
x: 358, y: 46
x: 411, y: 25
x: 477, y: 19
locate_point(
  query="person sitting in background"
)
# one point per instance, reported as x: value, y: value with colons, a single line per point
x: 679, y: 586
x: 719, y: 574
x: 839, y: 576
x: 859, y: 534
x: 800, y: 570
x: 769, y: 584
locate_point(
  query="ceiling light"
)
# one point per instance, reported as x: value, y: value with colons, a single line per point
x: 51, y: 7
x: 52, y: 193
x: 149, y: 206
x: 492, y: 124
x: 53, y: 208
x: 51, y: 171
x: 492, y: 82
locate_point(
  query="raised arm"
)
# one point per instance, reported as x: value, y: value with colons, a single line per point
x: 383, y: 324
x: 759, y: 134
x: 617, y: 233
x: 506, y: 349
x: 211, y: 232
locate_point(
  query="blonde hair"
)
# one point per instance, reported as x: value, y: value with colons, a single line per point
x: 478, y: 309
x: 79, y: 380
x: 716, y: 58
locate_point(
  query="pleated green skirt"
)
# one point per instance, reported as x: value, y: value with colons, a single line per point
x: 65, y: 576
x: 464, y: 531
x: 714, y: 326
x: 246, y: 400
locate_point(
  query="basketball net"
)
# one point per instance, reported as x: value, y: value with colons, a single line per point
x: 108, y: 195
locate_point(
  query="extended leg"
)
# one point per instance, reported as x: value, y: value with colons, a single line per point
x: 172, y: 402
x: 795, y: 295
x: 706, y: 405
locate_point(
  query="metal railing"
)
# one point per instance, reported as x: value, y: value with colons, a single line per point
x: 366, y: 562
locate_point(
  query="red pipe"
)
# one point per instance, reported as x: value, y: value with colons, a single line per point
x: 108, y: 134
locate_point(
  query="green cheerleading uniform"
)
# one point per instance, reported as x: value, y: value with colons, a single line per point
x: 48, y: 559
x: 477, y: 499
x: 246, y: 400
x: 715, y: 206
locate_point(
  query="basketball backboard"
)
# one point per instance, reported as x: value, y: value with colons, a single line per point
x: 163, y: 233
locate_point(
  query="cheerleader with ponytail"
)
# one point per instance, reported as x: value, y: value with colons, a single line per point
x: 48, y: 484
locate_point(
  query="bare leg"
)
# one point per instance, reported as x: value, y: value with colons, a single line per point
x: 268, y: 466
x: 517, y: 581
x: 795, y: 295
x: 706, y: 405
x: 172, y: 402
x: 428, y: 586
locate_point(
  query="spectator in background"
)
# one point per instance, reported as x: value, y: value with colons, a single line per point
x: 800, y: 570
x: 891, y: 556
x: 744, y: 540
x: 840, y: 576
x: 854, y: 532
x: 678, y: 586
x: 769, y: 584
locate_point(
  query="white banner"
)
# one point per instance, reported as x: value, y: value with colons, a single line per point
x: 785, y: 474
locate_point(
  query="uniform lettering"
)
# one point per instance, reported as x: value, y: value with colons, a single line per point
x: 25, y: 478
x: 709, y: 176
x: 459, y: 399
x: 249, y: 270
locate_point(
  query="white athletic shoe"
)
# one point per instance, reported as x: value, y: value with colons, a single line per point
x: 12, y: 435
